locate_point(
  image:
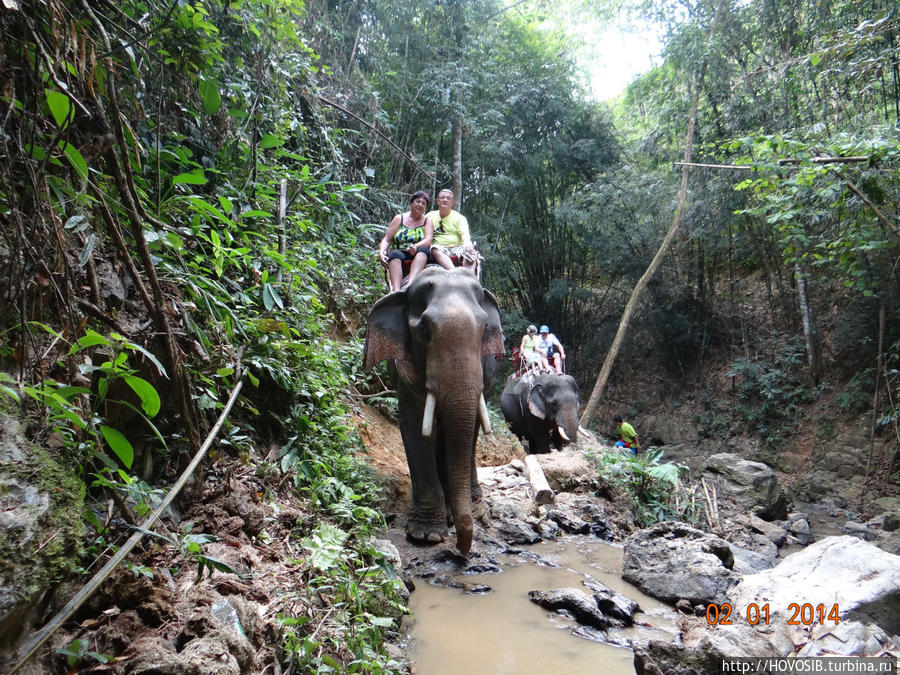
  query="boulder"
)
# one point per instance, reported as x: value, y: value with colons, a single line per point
x: 578, y: 603
x: 670, y: 561
x: 568, y: 470
x: 860, y: 579
x: 41, y: 529
x: 753, y: 485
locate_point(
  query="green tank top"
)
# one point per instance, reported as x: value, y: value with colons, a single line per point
x: 407, y: 236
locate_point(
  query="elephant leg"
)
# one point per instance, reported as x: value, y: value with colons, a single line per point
x: 539, y: 439
x: 427, y: 520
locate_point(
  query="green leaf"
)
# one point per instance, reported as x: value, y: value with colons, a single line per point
x: 271, y: 297
x: 88, y: 249
x: 270, y: 141
x: 209, y: 92
x: 75, y: 159
x: 119, y: 444
x: 89, y: 339
x: 60, y: 106
x: 325, y: 545
x: 151, y: 357
x: 150, y: 400
x: 77, y: 223
x: 194, y: 177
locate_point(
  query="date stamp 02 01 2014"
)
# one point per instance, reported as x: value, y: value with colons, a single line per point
x: 799, y: 614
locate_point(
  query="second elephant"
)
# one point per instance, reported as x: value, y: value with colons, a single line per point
x: 542, y: 410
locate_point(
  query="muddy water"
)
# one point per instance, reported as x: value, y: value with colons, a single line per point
x: 503, y: 633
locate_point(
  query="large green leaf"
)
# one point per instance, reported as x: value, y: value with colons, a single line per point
x: 212, y: 99
x: 270, y: 141
x: 60, y: 106
x: 75, y: 159
x: 195, y: 177
x: 150, y: 400
x: 119, y: 444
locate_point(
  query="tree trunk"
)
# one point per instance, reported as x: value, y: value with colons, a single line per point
x: 810, y: 331
x: 590, y: 410
x: 456, y: 163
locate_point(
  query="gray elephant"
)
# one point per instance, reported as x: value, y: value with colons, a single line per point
x: 444, y: 334
x: 542, y: 410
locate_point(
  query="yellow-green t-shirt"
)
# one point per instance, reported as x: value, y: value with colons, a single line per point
x: 448, y: 231
x: 627, y: 432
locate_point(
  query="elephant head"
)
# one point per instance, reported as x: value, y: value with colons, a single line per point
x: 443, y: 333
x: 542, y: 410
x: 554, y: 399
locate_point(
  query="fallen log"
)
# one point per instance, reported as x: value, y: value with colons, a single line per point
x: 543, y: 493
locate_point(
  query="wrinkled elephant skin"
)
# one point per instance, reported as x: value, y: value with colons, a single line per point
x: 444, y: 335
x: 542, y: 410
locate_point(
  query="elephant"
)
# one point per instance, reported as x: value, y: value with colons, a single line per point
x: 542, y: 410
x: 444, y: 335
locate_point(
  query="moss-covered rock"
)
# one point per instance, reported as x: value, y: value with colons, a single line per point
x: 41, y: 528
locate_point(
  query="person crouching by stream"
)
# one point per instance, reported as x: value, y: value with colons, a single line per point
x: 628, y: 437
x: 408, y: 237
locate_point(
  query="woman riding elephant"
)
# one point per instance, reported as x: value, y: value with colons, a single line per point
x: 444, y: 335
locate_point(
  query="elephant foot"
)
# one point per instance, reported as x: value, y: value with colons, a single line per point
x: 425, y: 531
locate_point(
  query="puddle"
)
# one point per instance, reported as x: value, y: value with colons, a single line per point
x: 503, y: 633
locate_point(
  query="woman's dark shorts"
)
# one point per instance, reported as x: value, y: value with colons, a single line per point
x: 403, y: 256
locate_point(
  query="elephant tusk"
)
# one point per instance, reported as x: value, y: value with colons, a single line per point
x: 428, y: 416
x: 563, y: 433
x: 585, y: 432
x: 483, y: 414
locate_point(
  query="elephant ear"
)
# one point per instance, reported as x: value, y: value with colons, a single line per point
x: 387, y: 331
x: 492, y: 340
x: 536, y: 403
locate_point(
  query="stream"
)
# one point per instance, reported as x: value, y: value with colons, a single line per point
x: 501, y: 631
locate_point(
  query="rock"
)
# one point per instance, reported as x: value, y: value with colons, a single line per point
x: 855, y: 529
x: 516, y: 532
x: 842, y: 460
x: 505, y: 508
x: 772, y: 530
x: 670, y: 561
x: 611, y: 603
x: 568, y: 522
x: 860, y: 578
x: 800, y: 529
x: 581, y: 606
x: 752, y: 484
x: 41, y: 529
x: 889, y: 541
x: 568, y: 470
x: 848, y: 638
x: 749, y: 562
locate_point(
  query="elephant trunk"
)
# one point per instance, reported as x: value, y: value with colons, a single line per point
x: 567, y: 428
x: 460, y: 431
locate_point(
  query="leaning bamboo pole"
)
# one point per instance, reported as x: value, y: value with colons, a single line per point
x: 63, y: 615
